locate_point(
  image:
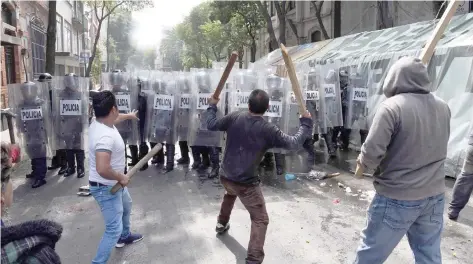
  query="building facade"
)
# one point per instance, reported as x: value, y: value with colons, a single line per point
x: 342, y: 18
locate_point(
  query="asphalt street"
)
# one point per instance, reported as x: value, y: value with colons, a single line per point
x: 310, y: 221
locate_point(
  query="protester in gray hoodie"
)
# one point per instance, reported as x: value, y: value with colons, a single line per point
x: 407, y: 145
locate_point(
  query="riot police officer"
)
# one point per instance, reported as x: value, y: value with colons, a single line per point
x: 58, y: 160
x: 70, y: 120
x: 143, y: 147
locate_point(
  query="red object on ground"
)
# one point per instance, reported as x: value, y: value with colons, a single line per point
x: 336, y: 201
x: 15, y: 153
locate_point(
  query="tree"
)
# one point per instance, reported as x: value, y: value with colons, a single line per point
x: 263, y: 8
x: 102, y: 9
x: 119, y: 29
x: 244, y: 19
x: 51, y: 39
x: 214, y: 38
x: 171, y: 49
x: 96, y: 69
x: 142, y: 59
x: 318, y: 15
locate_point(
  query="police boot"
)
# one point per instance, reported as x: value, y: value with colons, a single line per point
x: 267, y: 161
x: 214, y: 158
x: 197, y: 160
x: 159, y: 157
x: 309, y: 147
x: 54, y: 163
x: 184, y: 153
x: 80, y: 157
x: 134, y: 155
x: 62, y: 161
x: 170, y: 150
x: 345, y: 136
x: 280, y: 160
x: 205, y: 158
x: 330, y: 148
x: 143, y: 152
x: 71, y: 163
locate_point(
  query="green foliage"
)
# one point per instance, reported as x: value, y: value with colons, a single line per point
x: 171, y: 48
x: 142, y: 59
x: 96, y: 68
x: 119, y: 29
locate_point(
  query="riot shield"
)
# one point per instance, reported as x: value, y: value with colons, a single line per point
x: 277, y: 113
x: 70, y: 111
x: 161, y: 110
x: 244, y: 82
x: 204, y: 84
x: 330, y: 96
x: 357, y: 110
x: 311, y: 84
x: 126, y: 92
x: 293, y: 122
x: 30, y: 102
x: 183, y: 106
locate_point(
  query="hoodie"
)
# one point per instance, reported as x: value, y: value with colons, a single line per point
x: 407, y: 141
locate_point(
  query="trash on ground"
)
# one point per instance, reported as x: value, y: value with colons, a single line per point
x: 348, y: 190
x: 336, y: 201
x: 341, y: 185
x: 322, y: 184
x: 290, y: 177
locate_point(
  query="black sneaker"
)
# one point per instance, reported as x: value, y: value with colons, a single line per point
x: 452, y: 216
x: 69, y: 172
x: 62, y: 171
x: 222, y: 228
x: 80, y: 173
x: 132, y: 238
x: 30, y: 176
x: 196, y: 165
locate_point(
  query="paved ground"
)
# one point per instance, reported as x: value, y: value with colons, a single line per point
x: 177, y: 213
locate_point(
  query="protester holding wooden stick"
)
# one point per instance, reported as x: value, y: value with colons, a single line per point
x: 106, y: 167
x: 407, y: 145
x: 249, y: 136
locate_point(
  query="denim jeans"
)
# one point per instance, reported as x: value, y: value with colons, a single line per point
x: 116, y: 210
x: 388, y: 220
x: 463, y: 185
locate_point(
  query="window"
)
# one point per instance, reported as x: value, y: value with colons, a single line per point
x: 271, y: 4
x: 315, y: 36
x: 38, y: 47
x: 58, y: 33
x: 9, y: 64
x: 75, y: 42
x: 7, y: 15
x: 67, y: 37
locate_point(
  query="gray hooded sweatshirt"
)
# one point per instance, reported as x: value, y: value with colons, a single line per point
x: 407, y: 141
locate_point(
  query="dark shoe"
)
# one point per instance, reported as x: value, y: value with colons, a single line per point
x: 70, y: 171
x: 196, y: 165
x: 214, y: 173
x: 132, y: 238
x: 452, y: 217
x: 168, y: 168
x: 144, y: 167
x: 80, y: 173
x: 222, y: 228
x: 29, y: 176
x: 62, y: 171
x: 203, y: 166
x: 183, y: 160
x: 38, y: 183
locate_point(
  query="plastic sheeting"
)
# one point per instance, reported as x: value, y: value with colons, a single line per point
x: 373, y: 53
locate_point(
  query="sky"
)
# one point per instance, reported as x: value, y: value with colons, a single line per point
x: 149, y: 23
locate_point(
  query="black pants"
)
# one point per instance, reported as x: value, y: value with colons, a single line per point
x: 60, y: 159
x: 184, y: 149
x: 39, y: 168
x: 309, y: 147
x: 74, y: 155
x: 201, y: 154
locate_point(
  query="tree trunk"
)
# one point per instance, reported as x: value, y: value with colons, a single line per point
x: 281, y: 13
x: 294, y: 30
x: 94, y: 50
x: 108, y: 44
x: 253, y: 50
x: 273, y: 44
x: 241, y: 52
x: 318, y: 15
x: 51, y: 39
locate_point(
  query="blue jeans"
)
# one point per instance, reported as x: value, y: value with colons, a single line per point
x: 389, y: 220
x: 116, y: 210
x: 463, y: 185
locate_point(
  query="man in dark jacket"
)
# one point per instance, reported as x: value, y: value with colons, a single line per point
x: 249, y: 136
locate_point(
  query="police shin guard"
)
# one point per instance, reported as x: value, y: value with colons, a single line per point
x: 309, y: 147
x: 363, y: 135
x: 143, y: 151
x: 214, y: 159
x: 328, y: 140
x: 205, y: 151
x: 134, y: 155
x: 80, y: 157
x: 170, y: 150
x: 71, y: 163
x: 62, y: 161
x: 345, y: 136
x: 196, y: 156
x: 279, y: 160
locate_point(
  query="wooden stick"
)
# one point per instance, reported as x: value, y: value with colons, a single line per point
x: 292, y: 76
x: 138, y: 166
x: 225, y: 75
x: 442, y: 24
